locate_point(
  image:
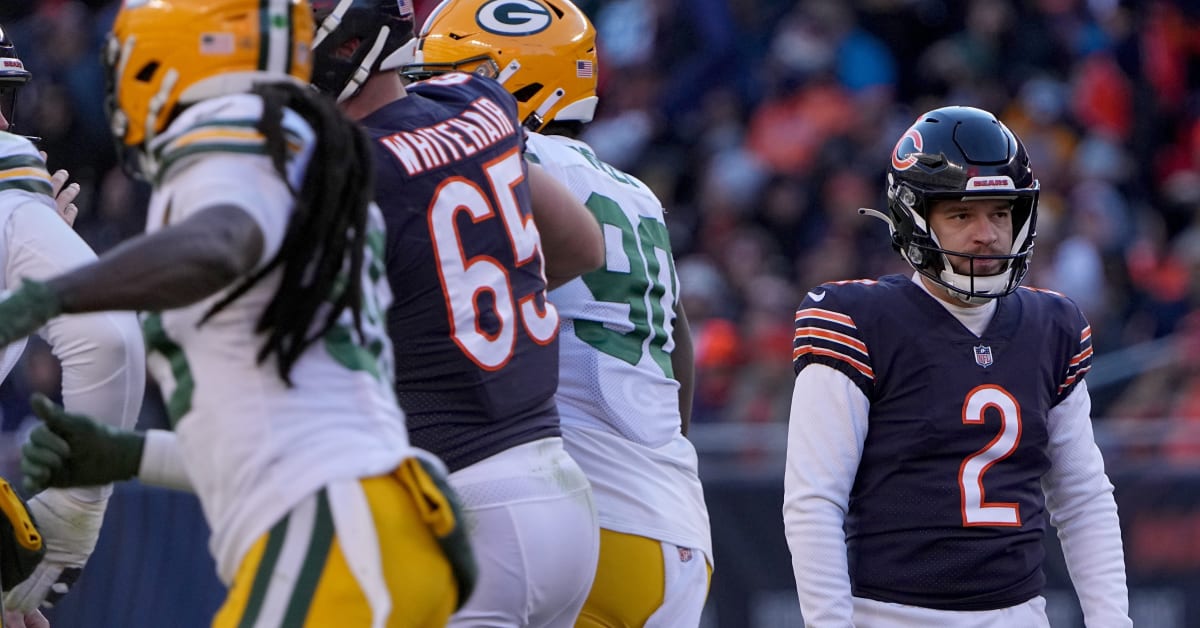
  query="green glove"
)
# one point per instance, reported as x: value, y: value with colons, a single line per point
x: 26, y: 309
x: 73, y: 450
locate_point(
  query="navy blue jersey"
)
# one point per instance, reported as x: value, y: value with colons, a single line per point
x: 475, y: 340
x: 947, y: 509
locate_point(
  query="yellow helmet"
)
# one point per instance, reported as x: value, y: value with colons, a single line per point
x: 542, y: 51
x: 164, y: 54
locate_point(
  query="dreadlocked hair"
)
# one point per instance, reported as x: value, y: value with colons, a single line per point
x: 322, y: 252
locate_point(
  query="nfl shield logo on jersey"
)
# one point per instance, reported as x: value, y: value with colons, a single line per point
x: 983, y: 356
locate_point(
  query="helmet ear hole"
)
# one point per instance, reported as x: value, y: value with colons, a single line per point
x: 527, y: 92
x: 145, y: 74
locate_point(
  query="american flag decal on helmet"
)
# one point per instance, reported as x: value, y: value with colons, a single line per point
x: 983, y: 355
x: 583, y: 68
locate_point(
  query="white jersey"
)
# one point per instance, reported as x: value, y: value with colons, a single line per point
x: 102, y: 356
x: 617, y: 395
x: 254, y: 447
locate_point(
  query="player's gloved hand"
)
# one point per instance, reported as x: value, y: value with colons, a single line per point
x: 73, y: 450
x: 21, y: 547
x: 70, y: 527
x: 26, y: 309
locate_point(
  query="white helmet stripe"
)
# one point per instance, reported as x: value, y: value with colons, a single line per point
x: 275, y: 54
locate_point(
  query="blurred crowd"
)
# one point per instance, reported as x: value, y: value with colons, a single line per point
x: 765, y: 124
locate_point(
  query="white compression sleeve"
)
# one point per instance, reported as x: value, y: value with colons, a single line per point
x: 162, y: 463
x: 826, y: 432
x: 1079, y: 497
x: 102, y: 354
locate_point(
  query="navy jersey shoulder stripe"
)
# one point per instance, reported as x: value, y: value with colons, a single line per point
x: 1079, y: 365
x: 1073, y: 322
x: 826, y: 335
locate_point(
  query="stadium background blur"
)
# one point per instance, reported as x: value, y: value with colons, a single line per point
x: 763, y: 125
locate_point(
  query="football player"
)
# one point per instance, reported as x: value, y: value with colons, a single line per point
x: 102, y: 355
x: 474, y: 236
x: 262, y: 272
x: 940, y: 422
x: 625, y: 372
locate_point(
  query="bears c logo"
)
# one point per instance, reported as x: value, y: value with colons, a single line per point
x: 513, y: 17
x: 910, y: 143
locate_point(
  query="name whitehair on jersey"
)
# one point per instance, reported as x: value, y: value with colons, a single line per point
x: 483, y: 124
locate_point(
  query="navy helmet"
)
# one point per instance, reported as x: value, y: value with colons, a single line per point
x: 960, y: 153
x: 356, y: 38
x: 13, y: 76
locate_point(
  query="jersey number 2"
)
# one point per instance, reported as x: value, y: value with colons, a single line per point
x: 464, y: 278
x: 975, y: 510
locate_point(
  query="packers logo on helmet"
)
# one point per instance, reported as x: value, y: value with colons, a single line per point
x: 542, y: 51
x: 166, y: 54
x: 513, y: 17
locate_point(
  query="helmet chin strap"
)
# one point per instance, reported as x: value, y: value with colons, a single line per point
x: 961, y: 286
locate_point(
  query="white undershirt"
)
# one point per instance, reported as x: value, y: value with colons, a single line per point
x: 975, y: 319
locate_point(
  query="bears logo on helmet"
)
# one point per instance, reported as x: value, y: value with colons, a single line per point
x: 910, y: 144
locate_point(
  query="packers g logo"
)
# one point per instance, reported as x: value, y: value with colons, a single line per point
x: 513, y: 17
